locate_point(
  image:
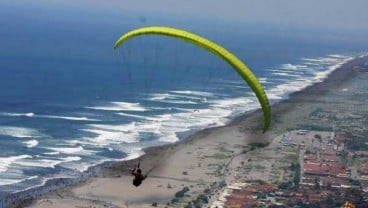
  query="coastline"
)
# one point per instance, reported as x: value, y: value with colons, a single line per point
x: 242, y: 130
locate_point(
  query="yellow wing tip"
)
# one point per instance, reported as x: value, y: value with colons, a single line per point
x: 116, y: 45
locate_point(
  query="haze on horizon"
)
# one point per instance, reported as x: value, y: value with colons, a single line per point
x: 327, y: 14
x: 334, y: 22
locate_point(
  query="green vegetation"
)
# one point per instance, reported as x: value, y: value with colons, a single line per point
x: 189, y: 205
x: 318, y: 137
x: 201, y: 199
x: 207, y: 191
x: 174, y: 200
x: 260, y: 182
x: 259, y: 167
x: 259, y: 144
x: 354, y: 182
x: 315, y: 127
x: 354, y: 195
x: 285, y: 185
x: 182, y: 192
x: 219, y: 156
x: 358, y: 142
x: 296, y: 179
x: 317, y: 186
x: 179, y: 194
x: 294, y: 158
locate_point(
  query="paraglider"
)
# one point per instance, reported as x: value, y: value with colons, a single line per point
x: 138, y: 176
x: 214, y: 48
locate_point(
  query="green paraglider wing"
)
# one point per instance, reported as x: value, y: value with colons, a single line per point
x: 216, y: 49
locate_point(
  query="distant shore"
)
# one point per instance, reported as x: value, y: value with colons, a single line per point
x: 203, y: 161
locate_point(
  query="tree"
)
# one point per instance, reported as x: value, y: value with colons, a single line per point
x: 316, y: 184
x: 330, y: 200
x: 296, y: 178
x: 354, y: 195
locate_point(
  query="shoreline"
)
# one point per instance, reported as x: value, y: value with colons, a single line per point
x: 154, y: 157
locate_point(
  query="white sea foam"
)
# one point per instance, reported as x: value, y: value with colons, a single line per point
x: 30, y: 114
x: 46, y: 163
x: 174, y: 95
x: 5, y: 162
x: 169, y: 138
x: 159, y: 96
x: 162, y: 117
x: 20, y: 132
x: 126, y: 128
x: 312, y: 60
x: 31, y: 143
x: 283, y: 90
x: 134, y: 153
x: 263, y: 80
x: 320, y: 76
x: 363, y: 54
x: 105, y: 137
x: 79, y: 150
x: 152, y: 118
x: 338, y: 56
x: 181, y: 97
x: 274, y: 96
x: 80, y: 166
x: 231, y: 102
x: 43, y: 163
x: 167, y: 126
x: 72, y: 118
x: 189, y: 92
x: 111, y: 134
x: 329, y: 64
x: 152, y: 127
x: 286, y: 74
x: 178, y: 97
x: 120, y: 106
x: 51, y: 153
x: 327, y: 60
x: 7, y: 181
x: 179, y: 102
x: 67, y: 150
x: 70, y: 159
x: 133, y: 116
x: 312, y: 64
x: 234, y: 106
x: 293, y: 67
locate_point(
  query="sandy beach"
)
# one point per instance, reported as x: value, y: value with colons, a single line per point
x: 204, y: 163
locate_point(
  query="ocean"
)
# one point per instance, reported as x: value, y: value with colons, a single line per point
x: 68, y: 101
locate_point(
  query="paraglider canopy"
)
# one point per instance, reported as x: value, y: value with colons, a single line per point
x: 214, y: 48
